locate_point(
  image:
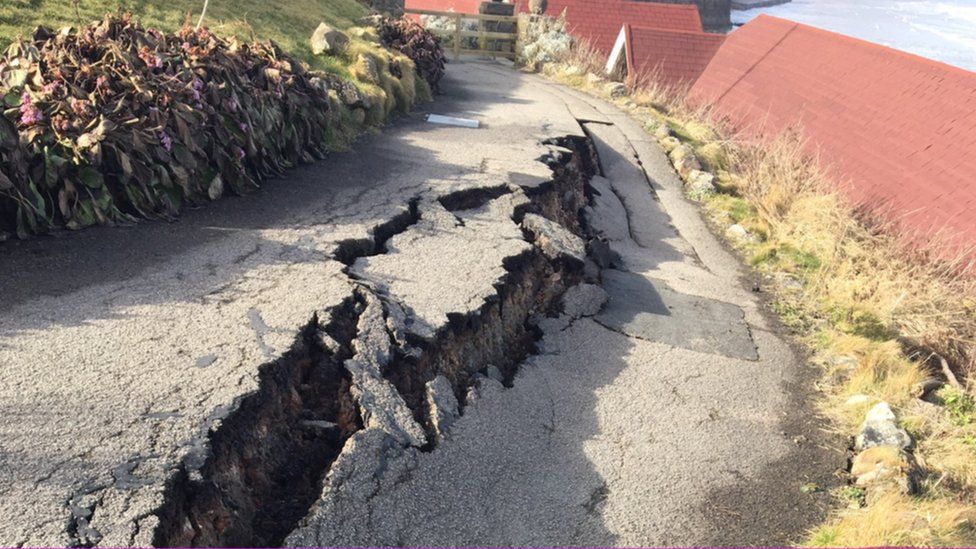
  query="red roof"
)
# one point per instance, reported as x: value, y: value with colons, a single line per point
x: 599, y: 21
x: 459, y: 6
x: 677, y: 56
x: 898, y: 130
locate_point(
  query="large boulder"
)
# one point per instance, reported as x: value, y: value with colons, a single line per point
x: 327, y: 40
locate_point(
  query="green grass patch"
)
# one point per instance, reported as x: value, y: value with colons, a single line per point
x: 858, y: 322
x: 734, y: 208
x: 683, y: 133
x: 959, y: 406
x: 288, y: 23
x: 784, y: 257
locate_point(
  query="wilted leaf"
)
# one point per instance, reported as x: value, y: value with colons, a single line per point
x: 91, y: 177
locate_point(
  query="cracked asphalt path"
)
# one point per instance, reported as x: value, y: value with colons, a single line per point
x: 669, y: 418
x: 122, y: 347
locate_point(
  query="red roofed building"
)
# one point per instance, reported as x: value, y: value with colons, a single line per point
x: 599, y: 21
x: 673, y: 57
x: 897, y: 130
x: 459, y: 6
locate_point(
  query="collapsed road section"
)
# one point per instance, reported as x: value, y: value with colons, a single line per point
x: 277, y: 369
x: 398, y: 356
x: 133, y: 356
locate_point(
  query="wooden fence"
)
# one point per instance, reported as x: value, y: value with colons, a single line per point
x: 491, y: 41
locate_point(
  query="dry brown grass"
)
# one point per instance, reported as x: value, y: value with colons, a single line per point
x: 899, y: 521
x: 584, y: 58
x: 647, y: 87
x: 867, y: 281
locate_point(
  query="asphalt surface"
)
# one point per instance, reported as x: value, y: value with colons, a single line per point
x: 674, y: 415
x: 669, y: 417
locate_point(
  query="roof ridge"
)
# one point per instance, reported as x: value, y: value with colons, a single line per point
x: 676, y: 31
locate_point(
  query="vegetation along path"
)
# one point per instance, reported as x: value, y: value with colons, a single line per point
x: 517, y: 334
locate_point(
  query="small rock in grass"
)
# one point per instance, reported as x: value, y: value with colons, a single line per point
x: 683, y: 158
x: 884, y: 469
x: 327, y: 40
x: 880, y: 428
x: 700, y: 184
x: 616, y: 90
x: 669, y: 143
x: 663, y: 131
x: 593, y: 79
x: 739, y: 233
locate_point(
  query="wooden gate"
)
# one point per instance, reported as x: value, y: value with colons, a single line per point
x: 492, y: 37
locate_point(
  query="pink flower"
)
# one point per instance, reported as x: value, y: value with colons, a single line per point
x: 150, y: 58
x: 29, y: 113
x: 80, y: 106
x: 239, y: 153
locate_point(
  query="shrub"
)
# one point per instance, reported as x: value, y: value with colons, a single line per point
x: 419, y: 44
x: 114, y: 122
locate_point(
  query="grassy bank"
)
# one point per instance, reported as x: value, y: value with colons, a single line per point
x: 120, y: 115
x: 290, y: 23
x: 886, y: 321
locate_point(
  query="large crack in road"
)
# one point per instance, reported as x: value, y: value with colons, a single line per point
x: 374, y: 363
x: 406, y: 346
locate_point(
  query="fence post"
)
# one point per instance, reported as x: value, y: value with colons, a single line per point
x: 457, y: 36
x: 482, y: 39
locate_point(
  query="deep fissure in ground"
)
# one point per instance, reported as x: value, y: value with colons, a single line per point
x: 267, y: 459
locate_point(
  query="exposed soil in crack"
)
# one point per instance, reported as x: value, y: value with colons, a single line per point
x: 268, y: 456
x: 472, y: 198
x: 499, y: 333
x: 256, y: 473
x: 348, y: 251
